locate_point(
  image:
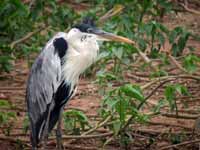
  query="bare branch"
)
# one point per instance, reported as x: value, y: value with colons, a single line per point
x: 189, y: 10
x: 174, y: 61
x: 180, y: 144
x: 114, y: 11
x: 27, y: 36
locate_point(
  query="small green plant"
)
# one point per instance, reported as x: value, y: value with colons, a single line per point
x: 26, y: 124
x: 191, y: 63
x: 75, y: 121
x: 6, y: 117
x: 171, y: 92
x: 122, y: 104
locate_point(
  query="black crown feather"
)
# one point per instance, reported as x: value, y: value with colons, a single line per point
x: 86, y: 23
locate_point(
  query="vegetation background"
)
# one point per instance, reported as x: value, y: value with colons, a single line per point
x: 142, y: 96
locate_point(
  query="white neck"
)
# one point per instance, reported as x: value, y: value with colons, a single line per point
x: 77, y: 60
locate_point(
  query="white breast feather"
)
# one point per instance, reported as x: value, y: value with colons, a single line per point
x: 78, y: 58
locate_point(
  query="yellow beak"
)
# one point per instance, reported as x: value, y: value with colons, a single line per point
x: 109, y: 36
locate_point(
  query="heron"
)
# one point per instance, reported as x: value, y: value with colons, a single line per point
x: 54, y: 76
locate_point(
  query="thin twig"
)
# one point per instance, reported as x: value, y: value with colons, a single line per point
x: 189, y: 10
x: 180, y: 144
x: 85, y: 136
x: 97, y: 126
x: 153, y: 91
x: 180, y: 116
x: 12, y: 88
x: 27, y: 36
x: 169, y: 124
x: 114, y: 11
x: 15, y: 140
x: 197, y: 78
x: 93, y: 129
x: 174, y: 61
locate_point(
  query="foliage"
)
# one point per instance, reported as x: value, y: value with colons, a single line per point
x: 17, y: 20
x: 122, y: 103
x: 75, y: 120
x: 6, y: 117
x: 26, y: 124
x: 170, y: 94
x: 191, y: 63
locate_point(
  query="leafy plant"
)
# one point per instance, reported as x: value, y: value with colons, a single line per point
x: 191, y: 63
x: 178, y: 38
x: 75, y: 120
x: 170, y: 94
x: 121, y: 103
x: 6, y: 117
x: 26, y: 124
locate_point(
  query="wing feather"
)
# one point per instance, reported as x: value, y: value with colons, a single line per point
x: 44, y: 86
x: 43, y: 82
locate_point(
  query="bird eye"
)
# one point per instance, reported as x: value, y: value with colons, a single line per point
x: 89, y: 30
x: 83, y: 38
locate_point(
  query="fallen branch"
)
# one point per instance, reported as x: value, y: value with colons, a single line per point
x: 197, y: 78
x: 72, y: 146
x: 169, y: 124
x: 27, y: 36
x: 158, y: 132
x: 145, y: 58
x: 189, y: 10
x: 97, y: 126
x: 12, y: 88
x: 15, y: 140
x: 101, y: 124
x: 180, y: 144
x: 180, y: 116
x: 114, y: 11
x: 175, y: 62
x: 84, y: 136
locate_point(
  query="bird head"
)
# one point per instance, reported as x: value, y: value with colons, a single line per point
x: 88, y: 29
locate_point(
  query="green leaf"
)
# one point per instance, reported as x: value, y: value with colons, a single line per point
x: 174, y: 34
x: 121, y: 107
x: 102, y: 55
x: 111, y: 102
x: 175, y: 49
x: 161, y: 38
x: 160, y: 104
x: 4, y: 104
x: 159, y: 73
x: 142, y: 44
x: 182, y: 41
x: 118, y: 52
x: 191, y: 62
x: 170, y: 96
x: 116, y: 127
x: 182, y: 90
x: 132, y: 91
x: 73, y: 118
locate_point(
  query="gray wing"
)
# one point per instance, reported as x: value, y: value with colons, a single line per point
x: 43, y: 87
x: 43, y: 82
